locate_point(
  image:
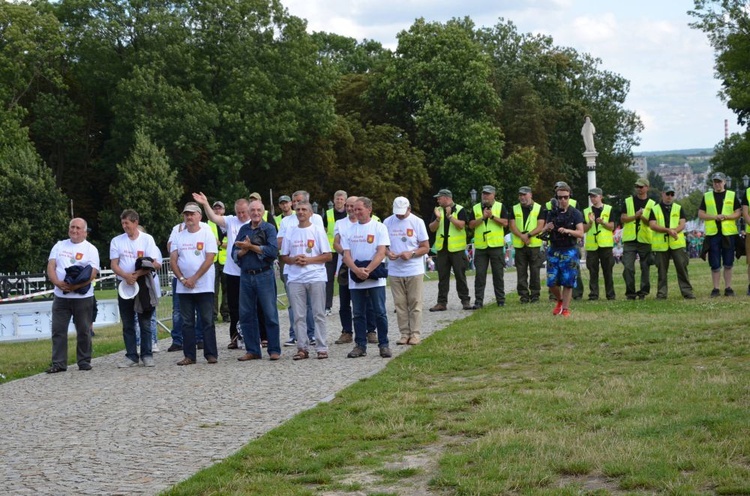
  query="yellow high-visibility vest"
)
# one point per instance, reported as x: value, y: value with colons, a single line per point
x: 530, y: 225
x: 598, y: 236
x: 728, y: 227
x: 488, y: 234
x: 663, y: 241
x: 221, y: 257
x: 456, y: 237
x: 631, y: 231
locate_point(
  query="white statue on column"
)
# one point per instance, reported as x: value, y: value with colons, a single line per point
x: 588, y: 131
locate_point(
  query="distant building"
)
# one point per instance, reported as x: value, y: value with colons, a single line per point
x: 640, y: 166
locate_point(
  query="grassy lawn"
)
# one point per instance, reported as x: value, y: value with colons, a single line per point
x: 625, y: 397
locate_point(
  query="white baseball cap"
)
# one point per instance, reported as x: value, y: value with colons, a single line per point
x: 400, y: 205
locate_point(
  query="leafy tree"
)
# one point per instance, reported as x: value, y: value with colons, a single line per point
x: 147, y: 184
x: 690, y: 204
x: 657, y: 184
x: 35, y: 210
x: 731, y: 156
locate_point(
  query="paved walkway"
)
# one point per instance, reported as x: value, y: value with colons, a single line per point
x: 140, y: 431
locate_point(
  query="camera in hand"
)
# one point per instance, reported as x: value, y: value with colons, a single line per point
x: 486, y: 206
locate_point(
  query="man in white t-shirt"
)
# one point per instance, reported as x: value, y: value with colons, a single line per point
x: 305, y: 252
x: 409, y: 244
x: 73, y: 265
x: 232, y: 223
x: 364, y: 252
x: 192, y: 261
x: 124, y: 251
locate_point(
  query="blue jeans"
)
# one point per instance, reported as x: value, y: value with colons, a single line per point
x: 259, y: 291
x: 128, y: 316
x: 138, y: 330
x: 345, y: 312
x: 360, y: 299
x: 310, y: 321
x: 177, y: 319
x: 200, y: 304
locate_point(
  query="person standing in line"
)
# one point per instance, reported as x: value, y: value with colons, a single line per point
x: 221, y: 307
x: 72, y: 267
x: 599, y: 228
x: 305, y: 251
x: 192, y: 257
x: 364, y: 252
x: 333, y: 215
x: 342, y: 271
x: 448, y: 222
x: 565, y: 225
x: 489, y: 220
x: 526, y: 224
x: 636, y: 240
x: 124, y: 251
x: 667, y: 223
x: 409, y: 244
x: 720, y: 210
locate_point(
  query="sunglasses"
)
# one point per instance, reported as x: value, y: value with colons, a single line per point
x: 563, y: 197
x: 639, y: 187
x: 671, y: 193
x: 593, y: 194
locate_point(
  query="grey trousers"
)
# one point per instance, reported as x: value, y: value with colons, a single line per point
x: 681, y: 260
x: 81, y: 309
x: 629, y: 251
x: 483, y: 259
x: 298, y: 295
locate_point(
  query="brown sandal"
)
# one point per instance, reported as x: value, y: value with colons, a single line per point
x: 186, y: 361
x: 322, y: 355
x: 301, y: 355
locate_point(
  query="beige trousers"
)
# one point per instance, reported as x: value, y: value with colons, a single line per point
x: 407, y: 298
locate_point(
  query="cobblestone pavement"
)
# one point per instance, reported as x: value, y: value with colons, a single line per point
x: 141, y: 430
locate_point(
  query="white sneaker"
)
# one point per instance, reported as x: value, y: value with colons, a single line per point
x: 329, y: 312
x: 126, y: 364
x: 155, y: 348
x: 148, y: 361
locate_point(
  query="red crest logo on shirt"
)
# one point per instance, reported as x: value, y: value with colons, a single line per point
x: 410, y: 232
x: 79, y: 256
x: 370, y: 238
x: 140, y: 253
x: 199, y: 246
x: 310, y: 243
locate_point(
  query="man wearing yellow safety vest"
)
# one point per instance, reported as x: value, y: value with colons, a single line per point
x: 636, y: 239
x: 448, y: 222
x: 220, y: 233
x: 489, y: 219
x: 338, y: 212
x: 578, y: 289
x: 526, y: 222
x: 599, y: 243
x: 720, y: 210
x: 667, y: 223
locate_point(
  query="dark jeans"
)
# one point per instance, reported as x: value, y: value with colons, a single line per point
x: 331, y: 272
x: 81, y: 309
x: 220, y: 283
x: 629, y: 251
x: 177, y: 337
x: 483, y: 259
x: 456, y: 261
x: 360, y: 298
x: 127, y: 316
x: 202, y: 304
x: 528, y: 265
x: 345, y: 312
x: 720, y: 251
x: 603, y: 257
x: 233, y: 300
x: 259, y: 291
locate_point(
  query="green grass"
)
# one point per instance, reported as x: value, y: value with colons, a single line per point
x: 625, y: 397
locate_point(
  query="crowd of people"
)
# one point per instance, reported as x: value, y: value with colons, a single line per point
x: 235, y: 255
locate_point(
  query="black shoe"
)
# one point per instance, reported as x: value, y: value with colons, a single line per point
x: 715, y: 292
x: 357, y: 352
x: 689, y: 297
x: 728, y: 292
x: 501, y: 303
x: 641, y: 297
x: 55, y: 369
x: 476, y: 306
x: 84, y: 366
x: 199, y: 345
x: 175, y: 347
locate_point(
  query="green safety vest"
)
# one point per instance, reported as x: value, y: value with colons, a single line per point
x: 728, y: 227
x: 599, y: 236
x: 456, y: 237
x: 530, y: 225
x: 221, y: 257
x: 663, y: 241
x: 330, y: 224
x: 632, y: 231
x: 488, y: 234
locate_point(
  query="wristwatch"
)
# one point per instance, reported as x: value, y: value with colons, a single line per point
x: 182, y: 279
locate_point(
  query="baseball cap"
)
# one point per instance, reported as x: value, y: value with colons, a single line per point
x: 400, y: 205
x: 255, y: 196
x: 191, y: 207
x: 284, y: 198
x: 561, y: 184
x: 642, y: 181
x: 669, y: 189
x: 596, y: 191
x: 488, y: 189
x: 218, y: 203
x: 524, y: 190
x: 718, y: 176
x: 444, y: 192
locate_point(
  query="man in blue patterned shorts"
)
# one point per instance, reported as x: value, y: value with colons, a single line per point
x: 565, y: 225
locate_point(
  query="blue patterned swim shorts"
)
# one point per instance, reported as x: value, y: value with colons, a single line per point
x: 561, y: 267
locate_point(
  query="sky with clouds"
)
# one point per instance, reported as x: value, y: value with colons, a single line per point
x: 669, y: 65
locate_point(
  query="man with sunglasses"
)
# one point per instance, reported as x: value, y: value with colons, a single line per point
x: 636, y: 240
x: 667, y: 223
x: 578, y: 289
x: 720, y: 210
x: 565, y: 225
x: 599, y: 244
